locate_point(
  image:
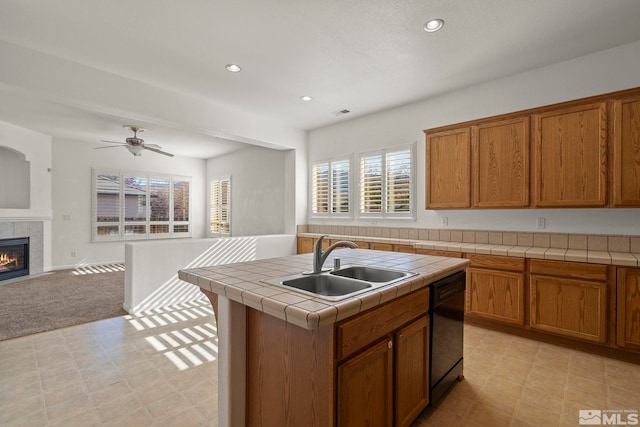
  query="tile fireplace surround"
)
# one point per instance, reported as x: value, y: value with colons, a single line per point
x: 35, y: 231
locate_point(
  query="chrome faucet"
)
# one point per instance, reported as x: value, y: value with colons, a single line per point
x: 319, y: 256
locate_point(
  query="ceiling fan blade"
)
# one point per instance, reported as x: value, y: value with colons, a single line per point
x: 156, y: 146
x: 114, y: 142
x: 110, y: 146
x: 155, y: 150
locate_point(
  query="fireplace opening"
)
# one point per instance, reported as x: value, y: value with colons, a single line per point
x: 14, y: 258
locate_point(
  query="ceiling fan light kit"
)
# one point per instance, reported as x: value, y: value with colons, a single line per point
x: 136, y: 145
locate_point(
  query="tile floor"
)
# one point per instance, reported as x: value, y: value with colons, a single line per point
x: 160, y: 369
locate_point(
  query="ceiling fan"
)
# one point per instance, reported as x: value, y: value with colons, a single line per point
x: 134, y: 144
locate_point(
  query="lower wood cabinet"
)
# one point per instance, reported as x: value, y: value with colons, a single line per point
x: 569, y: 299
x: 383, y: 364
x: 495, y: 288
x: 365, y: 388
x: 389, y: 377
x: 628, y: 305
x: 304, y: 245
x: 411, y: 371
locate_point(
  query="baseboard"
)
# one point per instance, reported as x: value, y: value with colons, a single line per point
x: 72, y: 266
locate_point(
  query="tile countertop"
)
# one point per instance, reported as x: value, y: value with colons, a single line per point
x: 626, y: 259
x: 242, y: 282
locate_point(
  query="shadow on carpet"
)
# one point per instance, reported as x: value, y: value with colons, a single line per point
x: 60, y: 299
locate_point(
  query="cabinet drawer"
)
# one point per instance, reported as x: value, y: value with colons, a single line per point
x: 435, y: 252
x: 353, y: 335
x: 574, y: 270
x: 496, y: 262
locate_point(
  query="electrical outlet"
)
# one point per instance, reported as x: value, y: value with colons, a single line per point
x: 66, y: 217
x: 541, y: 223
x: 73, y: 254
x: 444, y: 221
x: 374, y: 223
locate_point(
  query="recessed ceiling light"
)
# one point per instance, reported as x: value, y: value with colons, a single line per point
x: 233, y: 68
x: 433, y: 25
x: 306, y: 98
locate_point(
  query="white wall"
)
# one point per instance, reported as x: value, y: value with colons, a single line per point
x: 606, y: 71
x: 72, y: 165
x: 151, y: 272
x: 36, y: 148
x: 258, y: 202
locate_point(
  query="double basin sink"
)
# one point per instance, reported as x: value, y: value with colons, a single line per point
x: 340, y: 284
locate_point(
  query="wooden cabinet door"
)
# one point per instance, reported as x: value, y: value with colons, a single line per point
x: 365, y: 388
x: 305, y: 245
x: 501, y: 164
x: 571, y: 157
x: 495, y: 295
x: 628, y: 308
x: 412, y: 371
x: 449, y: 169
x: 570, y: 307
x: 626, y: 152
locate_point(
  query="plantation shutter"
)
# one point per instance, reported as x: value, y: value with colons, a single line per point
x: 371, y: 183
x: 399, y: 171
x: 340, y: 186
x: 320, y: 188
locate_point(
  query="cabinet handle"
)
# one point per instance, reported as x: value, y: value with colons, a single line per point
x: 390, y: 344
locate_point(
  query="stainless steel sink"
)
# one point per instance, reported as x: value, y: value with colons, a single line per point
x: 340, y: 284
x: 326, y: 285
x: 370, y: 274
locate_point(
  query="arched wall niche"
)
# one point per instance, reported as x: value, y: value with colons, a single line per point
x: 15, y: 179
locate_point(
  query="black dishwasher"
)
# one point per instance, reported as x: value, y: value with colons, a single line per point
x: 447, y: 323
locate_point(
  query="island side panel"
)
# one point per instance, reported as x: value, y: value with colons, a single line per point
x: 290, y: 377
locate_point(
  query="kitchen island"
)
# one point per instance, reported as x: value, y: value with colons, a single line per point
x: 286, y: 358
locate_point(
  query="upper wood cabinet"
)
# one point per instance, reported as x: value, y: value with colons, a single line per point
x: 571, y: 156
x: 449, y: 169
x: 626, y: 151
x: 484, y: 166
x: 500, y: 171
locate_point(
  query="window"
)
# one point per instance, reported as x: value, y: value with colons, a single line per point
x: 220, y: 207
x: 331, y: 188
x: 386, y: 184
x: 139, y: 206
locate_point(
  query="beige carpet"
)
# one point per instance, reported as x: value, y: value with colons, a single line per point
x: 60, y: 299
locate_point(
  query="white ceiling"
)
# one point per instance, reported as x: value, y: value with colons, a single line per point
x: 360, y: 55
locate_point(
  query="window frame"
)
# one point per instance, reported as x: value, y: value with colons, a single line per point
x: 122, y: 222
x: 220, y: 206
x: 331, y: 193
x: 384, y: 213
